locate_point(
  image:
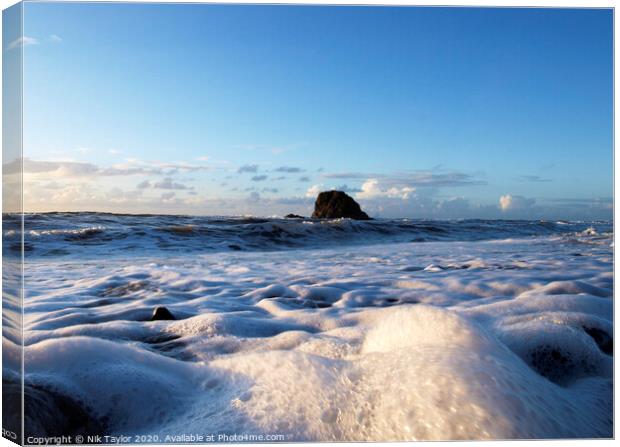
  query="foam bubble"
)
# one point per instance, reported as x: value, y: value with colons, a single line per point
x: 508, y: 339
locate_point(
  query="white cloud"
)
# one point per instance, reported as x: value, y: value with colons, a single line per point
x: 166, y: 183
x: 313, y: 191
x: 372, y: 189
x: 52, y: 168
x: 509, y: 203
x: 22, y: 42
x: 69, y: 168
x: 175, y: 167
x: 505, y: 202
x: 55, y: 38
x: 118, y: 195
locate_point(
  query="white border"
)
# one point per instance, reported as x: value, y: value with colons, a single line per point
x: 477, y: 3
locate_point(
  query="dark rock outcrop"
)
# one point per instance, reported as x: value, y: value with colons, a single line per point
x: 337, y: 204
x: 293, y: 216
x: 161, y: 313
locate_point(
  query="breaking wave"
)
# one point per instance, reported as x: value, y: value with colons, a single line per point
x: 83, y: 234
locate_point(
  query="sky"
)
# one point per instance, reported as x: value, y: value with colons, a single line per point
x: 230, y: 110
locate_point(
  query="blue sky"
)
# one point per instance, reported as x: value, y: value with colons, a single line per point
x: 221, y: 109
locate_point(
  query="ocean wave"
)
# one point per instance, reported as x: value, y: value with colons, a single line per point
x: 448, y: 340
x: 63, y: 234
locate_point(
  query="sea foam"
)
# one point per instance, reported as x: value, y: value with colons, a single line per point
x: 494, y: 339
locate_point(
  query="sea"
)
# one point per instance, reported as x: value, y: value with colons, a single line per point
x: 311, y: 330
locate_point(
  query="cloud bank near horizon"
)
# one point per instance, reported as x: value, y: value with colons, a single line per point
x: 137, y: 186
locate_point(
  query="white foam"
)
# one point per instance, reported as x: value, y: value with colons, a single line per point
x: 355, y: 344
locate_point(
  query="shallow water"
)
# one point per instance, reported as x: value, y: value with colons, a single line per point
x: 388, y: 330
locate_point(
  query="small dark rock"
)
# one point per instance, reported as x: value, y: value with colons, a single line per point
x: 161, y: 313
x: 293, y: 216
x: 234, y: 247
x: 337, y: 204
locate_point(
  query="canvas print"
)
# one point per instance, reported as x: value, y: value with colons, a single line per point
x: 287, y: 223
